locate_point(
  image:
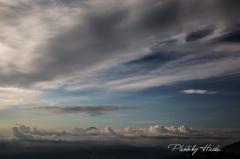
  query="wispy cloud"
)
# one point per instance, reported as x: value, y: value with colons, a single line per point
x: 182, y: 69
x: 146, y: 122
x: 191, y: 91
x: 91, y: 110
x: 12, y: 96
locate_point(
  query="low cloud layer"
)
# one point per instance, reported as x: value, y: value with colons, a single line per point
x: 75, y: 134
x: 91, y: 110
x: 192, y: 91
x: 107, y: 142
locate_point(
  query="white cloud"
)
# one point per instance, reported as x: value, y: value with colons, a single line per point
x: 109, y: 130
x: 191, y: 91
x: 158, y: 129
x: 78, y: 131
x: 12, y: 96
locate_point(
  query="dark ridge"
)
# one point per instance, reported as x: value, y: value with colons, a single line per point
x: 235, y: 147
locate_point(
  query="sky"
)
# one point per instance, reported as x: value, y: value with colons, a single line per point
x: 130, y: 68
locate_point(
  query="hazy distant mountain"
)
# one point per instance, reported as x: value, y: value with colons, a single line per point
x: 235, y: 147
x: 91, y: 128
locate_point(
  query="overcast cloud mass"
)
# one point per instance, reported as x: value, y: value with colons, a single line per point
x: 113, y: 44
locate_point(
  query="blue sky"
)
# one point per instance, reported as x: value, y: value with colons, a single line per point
x: 119, y: 63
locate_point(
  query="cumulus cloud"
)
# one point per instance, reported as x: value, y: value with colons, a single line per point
x: 78, y: 131
x: 191, y: 91
x: 109, y: 130
x: 22, y: 134
x: 91, y: 110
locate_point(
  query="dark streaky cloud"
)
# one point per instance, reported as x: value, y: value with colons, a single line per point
x: 100, y: 36
x: 91, y: 110
x: 198, y: 34
x: 232, y: 36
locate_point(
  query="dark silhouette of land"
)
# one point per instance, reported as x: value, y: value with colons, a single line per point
x: 228, y: 152
x: 103, y: 150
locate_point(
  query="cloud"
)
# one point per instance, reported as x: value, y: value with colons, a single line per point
x: 22, y: 135
x: 12, y: 96
x: 91, y: 110
x: 109, y: 130
x: 113, y: 46
x: 198, y: 34
x: 182, y: 68
x: 232, y: 34
x: 56, y: 48
x: 146, y: 122
x: 191, y: 91
x: 77, y: 134
x: 78, y: 131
